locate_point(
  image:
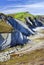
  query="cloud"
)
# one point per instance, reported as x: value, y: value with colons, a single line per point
x: 14, y: 10
x: 41, y: 4
x: 37, y: 8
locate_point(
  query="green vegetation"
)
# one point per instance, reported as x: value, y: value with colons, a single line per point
x: 21, y: 16
x: 5, y: 27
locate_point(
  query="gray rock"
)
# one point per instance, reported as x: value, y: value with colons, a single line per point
x: 33, y: 23
x: 4, y: 56
x: 38, y: 23
x: 17, y: 37
x: 18, y: 25
x: 13, y: 39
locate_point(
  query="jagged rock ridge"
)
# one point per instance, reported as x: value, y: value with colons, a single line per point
x: 20, y: 33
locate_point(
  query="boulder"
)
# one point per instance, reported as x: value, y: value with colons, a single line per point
x: 13, y: 39
x: 4, y: 56
x: 17, y: 38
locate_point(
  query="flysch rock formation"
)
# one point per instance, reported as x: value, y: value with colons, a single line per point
x: 19, y: 36
x: 18, y: 25
x: 33, y: 23
x: 16, y: 37
x: 29, y: 22
x: 12, y: 39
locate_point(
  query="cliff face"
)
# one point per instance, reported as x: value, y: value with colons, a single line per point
x: 21, y: 30
x: 26, y: 54
x: 18, y: 36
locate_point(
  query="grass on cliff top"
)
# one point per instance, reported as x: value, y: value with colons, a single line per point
x: 34, y: 58
x: 21, y: 16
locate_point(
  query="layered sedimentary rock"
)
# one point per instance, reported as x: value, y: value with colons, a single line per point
x: 18, y: 25
x: 16, y: 37
x: 12, y: 39
x: 20, y: 33
x: 38, y: 23
x: 30, y: 23
x: 33, y: 23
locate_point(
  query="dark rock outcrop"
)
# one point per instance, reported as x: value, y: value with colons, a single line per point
x: 30, y: 23
x: 38, y: 23
x: 17, y: 37
x: 33, y: 23
x: 13, y: 39
x: 20, y: 33
x: 18, y: 25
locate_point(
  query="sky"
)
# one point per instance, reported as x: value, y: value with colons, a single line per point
x: 35, y: 7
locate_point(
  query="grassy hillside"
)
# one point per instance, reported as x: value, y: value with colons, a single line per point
x: 5, y: 27
x: 21, y: 16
